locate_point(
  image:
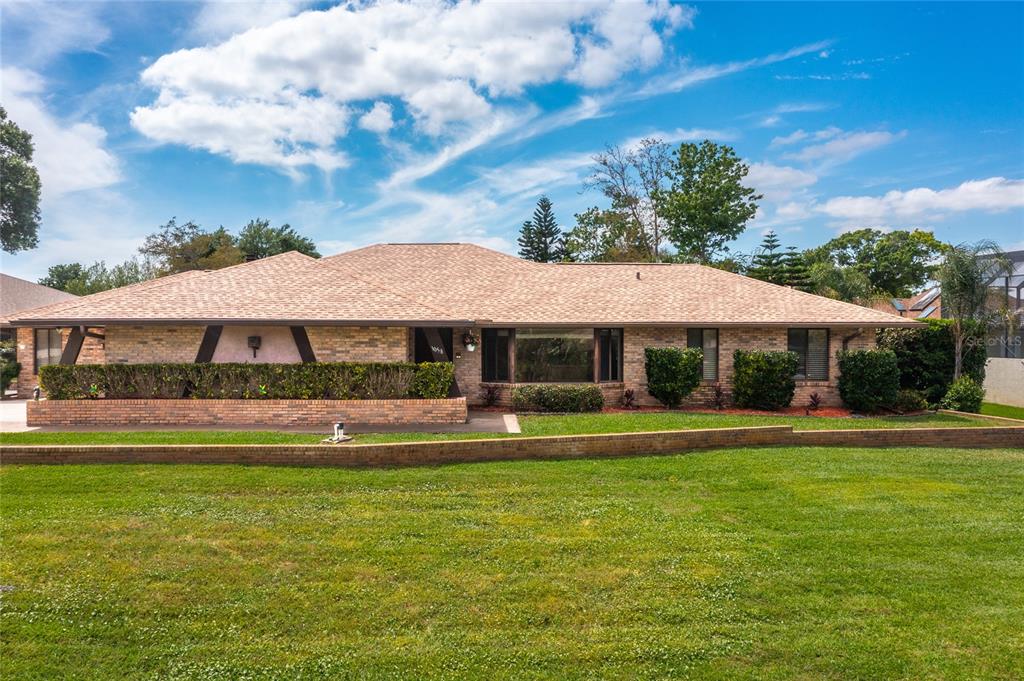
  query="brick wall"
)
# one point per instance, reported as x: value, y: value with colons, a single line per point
x: 243, y: 412
x: 508, y: 449
x: 359, y: 343
x: 92, y: 353
x: 730, y: 339
x: 152, y: 344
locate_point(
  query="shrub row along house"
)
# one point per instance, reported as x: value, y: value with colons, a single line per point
x: 501, y: 320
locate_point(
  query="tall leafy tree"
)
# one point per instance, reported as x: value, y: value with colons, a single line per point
x: 80, y: 280
x: 19, y: 188
x: 897, y: 263
x: 540, y: 239
x: 706, y: 204
x: 796, y: 272
x: 768, y: 263
x: 180, y: 248
x: 606, y: 236
x: 634, y: 179
x: 259, y: 240
x: 965, y: 275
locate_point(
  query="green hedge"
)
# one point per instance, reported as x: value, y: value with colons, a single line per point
x: 763, y: 379
x: 9, y: 368
x: 557, y: 398
x: 672, y: 373
x: 925, y: 356
x: 315, y: 380
x: 868, y: 379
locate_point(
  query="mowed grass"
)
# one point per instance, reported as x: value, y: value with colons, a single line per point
x: 1004, y: 410
x: 751, y: 563
x: 569, y: 424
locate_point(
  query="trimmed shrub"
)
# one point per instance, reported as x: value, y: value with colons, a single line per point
x: 557, y: 398
x: 312, y: 381
x: 909, y: 401
x: 964, y: 395
x: 433, y: 380
x: 763, y: 379
x: 926, y: 356
x: 672, y: 373
x: 9, y: 368
x: 868, y: 379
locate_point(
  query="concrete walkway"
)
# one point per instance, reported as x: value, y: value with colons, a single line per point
x: 12, y: 420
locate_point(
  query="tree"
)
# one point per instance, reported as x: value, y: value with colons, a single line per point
x: 796, y: 272
x: 180, y: 248
x: 19, y: 188
x: 606, y: 236
x: 841, y: 283
x: 965, y: 275
x: 768, y: 263
x: 897, y: 264
x: 82, y: 281
x: 706, y: 205
x: 634, y: 179
x: 259, y: 240
x: 540, y: 239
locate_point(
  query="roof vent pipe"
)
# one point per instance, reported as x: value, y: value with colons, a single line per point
x: 638, y: 275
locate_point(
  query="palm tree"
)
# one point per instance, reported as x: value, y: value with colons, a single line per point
x: 965, y: 276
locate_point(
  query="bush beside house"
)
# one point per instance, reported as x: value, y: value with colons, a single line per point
x: 672, y: 373
x: 316, y: 381
x: 926, y: 356
x: 965, y: 394
x: 869, y: 380
x: 9, y: 368
x: 763, y: 379
x: 557, y: 398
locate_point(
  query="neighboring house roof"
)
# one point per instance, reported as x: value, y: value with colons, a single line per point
x: 925, y: 305
x: 18, y: 295
x: 458, y: 285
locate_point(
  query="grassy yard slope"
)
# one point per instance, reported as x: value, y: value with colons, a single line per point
x: 572, y: 424
x: 808, y: 563
x: 1003, y: 410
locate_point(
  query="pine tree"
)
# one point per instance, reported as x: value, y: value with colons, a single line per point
x: 540, y: 239
x: 769, y: 264
x: 796, y: 273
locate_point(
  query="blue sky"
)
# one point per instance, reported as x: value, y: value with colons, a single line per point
x: 388, y: 122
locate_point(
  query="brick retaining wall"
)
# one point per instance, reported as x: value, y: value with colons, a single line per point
x: 243, y: 412
x: 510, y: 448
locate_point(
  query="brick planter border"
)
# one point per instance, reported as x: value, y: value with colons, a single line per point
x: 509, y: 448
x: 319, y: 413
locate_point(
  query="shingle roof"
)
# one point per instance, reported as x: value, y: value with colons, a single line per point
x: 17, y: 295
x: 459, y: 284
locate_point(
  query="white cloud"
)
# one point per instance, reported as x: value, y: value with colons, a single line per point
x: 34, y: 34
x: 991, y: 195
x: 69, y: 155
x: 802, y: 136
x: 220, y: 19
x: 845, y: 146
x: 690, y: 76
x: 449, y: 63
x: 378, y: 119
x: 778, y: 182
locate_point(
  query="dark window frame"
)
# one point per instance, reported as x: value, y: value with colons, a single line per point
x: 599, y: 355
x: 801, y: 374
x: 511, y: 352
x: 718, y: 350
x: 49, y: 348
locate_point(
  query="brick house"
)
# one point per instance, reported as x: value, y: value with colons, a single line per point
x: 501, y: 320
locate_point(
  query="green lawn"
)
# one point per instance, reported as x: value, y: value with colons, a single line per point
x: 750, y: 563
x: 574, y: 424
x: 1004, y: 410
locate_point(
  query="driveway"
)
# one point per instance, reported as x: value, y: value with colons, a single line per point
x: 12, y: 416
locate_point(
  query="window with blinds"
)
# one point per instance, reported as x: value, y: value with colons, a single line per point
x: 48, y: 348
x: 811, y: 348
x: 706, y: 340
